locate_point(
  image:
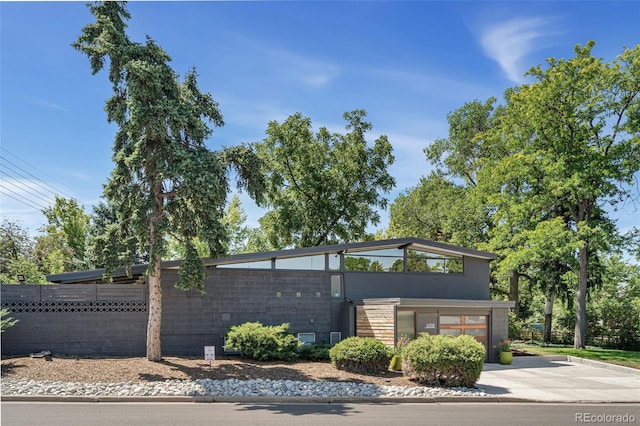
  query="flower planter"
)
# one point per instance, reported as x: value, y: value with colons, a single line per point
x: 396, y: 363
x: 506, y: 358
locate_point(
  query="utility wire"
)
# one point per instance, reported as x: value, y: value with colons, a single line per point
x: 31, y: 191
x: 26, y: 203
x: 53, y: 188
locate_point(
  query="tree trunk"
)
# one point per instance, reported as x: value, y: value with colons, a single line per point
x: 154, y: 322
x: 548, y: 316
x: 579, y: 338
x: 514, y: 278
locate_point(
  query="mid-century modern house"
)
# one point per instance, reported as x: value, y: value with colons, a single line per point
x: 383, y: 289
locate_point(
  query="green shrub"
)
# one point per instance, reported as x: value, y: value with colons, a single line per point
x: 263, y: 342
x: 362, y: 355
x: 314, y: 352
x: 443, y: 360
x: 6, y: 323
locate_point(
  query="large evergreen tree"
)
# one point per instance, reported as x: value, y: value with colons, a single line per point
x: 165, y: 179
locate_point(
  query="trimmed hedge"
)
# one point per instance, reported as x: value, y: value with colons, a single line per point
x: 362, y: 355
x: 436, y: 360
x: 263, y: 342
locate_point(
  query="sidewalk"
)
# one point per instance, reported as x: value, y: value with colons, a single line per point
x: 561, y: 379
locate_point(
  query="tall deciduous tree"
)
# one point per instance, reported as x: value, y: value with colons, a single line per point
x: 234, y: 220
x: 165, y: 180
x: 16, y: 255
x: 574, y: 141
x: 323, y: 187
x: 438, y: 209
x: 62, y: 246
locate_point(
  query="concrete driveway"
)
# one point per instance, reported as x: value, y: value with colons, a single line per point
x: 561, y: 379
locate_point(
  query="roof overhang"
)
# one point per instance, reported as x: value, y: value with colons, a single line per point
x: 410, y: 243
x: 436, y: 303
x: 97, y: 275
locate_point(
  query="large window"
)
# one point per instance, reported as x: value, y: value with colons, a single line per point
x: 422, y: 261
x: 393, y: 260
x: 262, y: 264
x: 311, y: 263
x: 386, y: 260
x: 381, y: 260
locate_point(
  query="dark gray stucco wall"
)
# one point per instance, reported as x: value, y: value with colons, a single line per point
x: 472, y: 285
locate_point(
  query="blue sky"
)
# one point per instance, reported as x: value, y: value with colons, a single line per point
x: 407, y: 63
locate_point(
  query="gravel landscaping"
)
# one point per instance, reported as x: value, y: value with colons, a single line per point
x: 70, y: 376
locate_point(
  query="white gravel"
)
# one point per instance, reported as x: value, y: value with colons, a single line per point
x: 231, y: 387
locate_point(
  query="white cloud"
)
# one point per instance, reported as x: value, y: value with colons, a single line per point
x: 284, y: 62
x: 509, y: 42
x: 308, y: 70
x: 431, y: 84
x: 51, y: 105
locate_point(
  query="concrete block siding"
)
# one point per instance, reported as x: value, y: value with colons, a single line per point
x: 110, y: 319
x: 74, y: 325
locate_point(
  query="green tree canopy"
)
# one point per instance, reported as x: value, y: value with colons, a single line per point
x: 17, y: 255
x: 323, y: 187
x: 440, y: 210
x: 574, y: 143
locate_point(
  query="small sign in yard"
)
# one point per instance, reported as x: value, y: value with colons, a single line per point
x: 210, y: 354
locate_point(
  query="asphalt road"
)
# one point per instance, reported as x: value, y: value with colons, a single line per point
x: 172, y: 414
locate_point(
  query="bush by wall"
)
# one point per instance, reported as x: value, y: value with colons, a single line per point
x: 443, y: 360
x: 362, y: 355
x: 315, y: 352
x: 6, y: 323
x: 262, y: 342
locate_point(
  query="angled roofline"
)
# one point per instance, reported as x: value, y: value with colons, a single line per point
x: 416, y: 243
x: 92, y: 274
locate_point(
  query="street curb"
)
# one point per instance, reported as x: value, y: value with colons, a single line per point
x: 591, y: 363
x: 293, y: 400
x: 605, y: 365
x: 262, y: 399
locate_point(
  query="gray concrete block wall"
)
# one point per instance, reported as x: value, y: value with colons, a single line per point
x: 192, y: 321
x: 77, y: 333
x: 233, y: 296
x: 79, y: 319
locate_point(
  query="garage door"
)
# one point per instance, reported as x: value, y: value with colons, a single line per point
x: 469, y: 325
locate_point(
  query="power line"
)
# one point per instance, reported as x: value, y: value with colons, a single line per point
x: 31, y: 191
x: 56, y: 190
x: 26, y: 203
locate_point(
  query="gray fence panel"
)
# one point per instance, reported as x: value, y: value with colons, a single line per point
x: 68, y: 292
